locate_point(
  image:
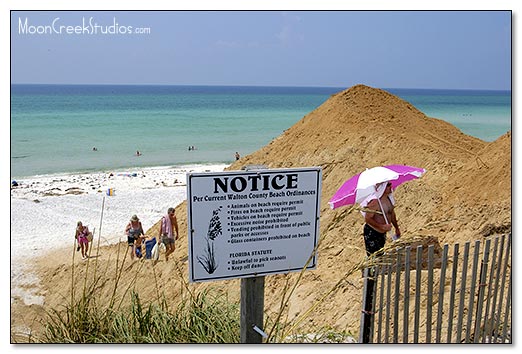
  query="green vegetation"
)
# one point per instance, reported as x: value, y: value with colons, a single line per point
x: 199, y: 317
x: 205, y: 316
x: 202, y: 318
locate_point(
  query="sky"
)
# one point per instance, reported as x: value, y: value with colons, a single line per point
x: 386, y: 49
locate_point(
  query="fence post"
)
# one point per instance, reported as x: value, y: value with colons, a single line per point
x: 367, y: 313
x: 442, y: 284
x: 252, y: 306
x: 488, y: 325
x: 430, y: 294
x: 473, y: 284
x: 382, y: 270
x: 418, y: 273
x: 481, y: 290
x: 494, y: 319
x: 507, y: 313
x: 462, y: 291
x: 452, y: 291
x: 504, y: 274
x: 398, y: 268
x: 406, y: 302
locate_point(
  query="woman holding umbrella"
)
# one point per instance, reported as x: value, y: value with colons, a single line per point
x: 372, y: 189
x: 379, y: 222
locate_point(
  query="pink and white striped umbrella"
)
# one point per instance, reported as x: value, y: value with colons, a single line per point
x: 362, y: 185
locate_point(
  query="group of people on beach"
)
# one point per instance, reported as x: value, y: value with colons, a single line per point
x: 136, y: 238
x: 375, y: 228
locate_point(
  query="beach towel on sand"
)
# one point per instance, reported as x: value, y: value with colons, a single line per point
x: 155, y: 252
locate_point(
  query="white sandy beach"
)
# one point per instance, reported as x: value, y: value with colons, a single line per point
x: 45, y: 209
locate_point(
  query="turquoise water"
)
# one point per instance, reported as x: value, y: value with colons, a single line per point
x: 55, y: 127
x: 483, y: 114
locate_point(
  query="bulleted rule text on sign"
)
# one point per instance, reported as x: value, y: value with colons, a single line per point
x: 252, y: 223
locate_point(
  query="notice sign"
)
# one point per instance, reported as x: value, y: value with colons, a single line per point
x: 252, y: 223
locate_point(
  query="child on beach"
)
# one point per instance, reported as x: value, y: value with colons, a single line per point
x: 138, y: 246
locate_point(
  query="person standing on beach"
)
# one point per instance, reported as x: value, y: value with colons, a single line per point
x: 237, y: 156
x: 376, y: 225
x: 82, y: 237
x: 134, y: 230
x: 169, y: 225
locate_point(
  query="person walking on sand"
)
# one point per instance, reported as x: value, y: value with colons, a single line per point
x: 237, y: 156
x: 169, y: 225
x: 83, y: 236
x: 133, y: 230
x: 378, y: 223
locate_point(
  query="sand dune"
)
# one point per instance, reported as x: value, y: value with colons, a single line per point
x: 465, y: 195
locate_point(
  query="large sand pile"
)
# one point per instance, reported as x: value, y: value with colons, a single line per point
x: 464, y: 196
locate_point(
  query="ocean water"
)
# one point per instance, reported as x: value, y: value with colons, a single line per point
x: 482, y: 114
x: 55, y: 127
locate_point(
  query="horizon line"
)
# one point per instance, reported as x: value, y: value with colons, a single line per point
x: 267, y: 86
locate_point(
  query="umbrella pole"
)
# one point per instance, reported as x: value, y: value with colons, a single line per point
x: 382, y: 210
x: 380, y: 204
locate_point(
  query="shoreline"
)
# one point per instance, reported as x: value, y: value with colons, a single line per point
x: 123, y: 170
x: 45, y: 209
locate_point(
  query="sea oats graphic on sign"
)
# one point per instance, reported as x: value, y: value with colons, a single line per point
x: 208, y: 260
x: 214, y: 227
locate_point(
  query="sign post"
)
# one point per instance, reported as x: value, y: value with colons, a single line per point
x: 249, y: 224
x: 252, y: 308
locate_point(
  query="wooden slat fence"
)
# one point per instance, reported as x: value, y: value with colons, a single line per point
x: 460, y: 296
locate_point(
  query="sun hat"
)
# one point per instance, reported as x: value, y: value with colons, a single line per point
x: 135, y: 218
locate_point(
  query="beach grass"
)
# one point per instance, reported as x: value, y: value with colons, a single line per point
x: 206, y: 317
x: 203, y: 315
